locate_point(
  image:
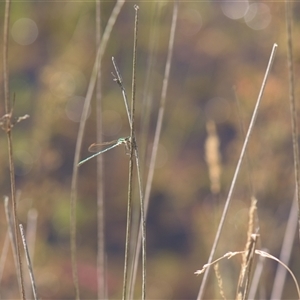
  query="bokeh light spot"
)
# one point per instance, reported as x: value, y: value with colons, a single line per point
x: 62, y: 84
x: 258, y: 16
x: 234, y: 10
x: 24, y: 31
x: 191, y: 22
x: 74, y: 108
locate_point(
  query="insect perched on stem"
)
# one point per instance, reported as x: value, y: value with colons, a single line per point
x: 95, y: 147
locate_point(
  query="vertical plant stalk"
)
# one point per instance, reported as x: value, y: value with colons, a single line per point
x: 29, y: 265
x: 30, y: 238
x: 11, y: 233
x: 247, y: 257
x: 242, y: 127
x: 133, y: 149
x: 286, y: 249
x: 119, y: 81
x: 101, y: 272
x: 147, y: 100
x: 8, y: 112
x: 4, y: 255
x: 295, y: 209
x: 243, y: 151
x: 156, y: 138
x: 91, y: 87
x: 293, y: 107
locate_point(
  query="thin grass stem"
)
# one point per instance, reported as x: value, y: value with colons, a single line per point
x: 156, y: 140
x: 8, y: 128
x: 286, y: 250
x: 28, y: 260
x: 11, y: 233
x: 92, y: 83
x: 293, y: 108
x: 101, y: 271
x: 243, y: 151
x: 133, y: 149
x: 30, y: 238
x: 3, y: 256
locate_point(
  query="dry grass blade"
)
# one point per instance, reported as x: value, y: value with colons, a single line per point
x: 9, y: 125
x: 228, y: 200
x: 220, y: 281
x: 213, y: 157
x: 30, y: 238
x: 244, y: 278
x: 92, y: 83
x: 156, y: 140
x: 11, y: 233
x: 28, y: 260
x: 293, y: 107
x: 286, y: 249
x: 4, y: 255
x: 267, y: 255
x: 101, y: 271
x: 133, y: 149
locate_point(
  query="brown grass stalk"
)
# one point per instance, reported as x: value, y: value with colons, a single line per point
x: 101, y: 271
x: 247, y: 261
x: 29, y: 264
x: 213, y: 157
x: 293, y: 108
x: 229, y: 197
x: 156, y: 141
x: 8, y: 130
x: 133, y: 150
x: 90, y: 91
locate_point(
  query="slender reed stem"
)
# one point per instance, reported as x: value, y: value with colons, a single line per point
x: 3, y: 256
x: 157, y: 136
x: 30, y: 238
x: 8, y: 112
x: 133, y: 149
x: 293, y: 108
x: 242, y: 127
x: 243, y: 151
x: 118, y: 79
x: 29, y: 265
x: 91, y: 87
x: 101, y: 272
x: 286, y: 250
x: 11, y: 233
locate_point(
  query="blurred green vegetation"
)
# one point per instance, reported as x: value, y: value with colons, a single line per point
x: 212, y: 53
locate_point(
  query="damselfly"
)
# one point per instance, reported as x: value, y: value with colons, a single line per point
x: 95, y: 147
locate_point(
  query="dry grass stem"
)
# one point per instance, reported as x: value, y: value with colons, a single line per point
x: 245, y: 274
x: 228, y: 200
x: 156, y: 141
x: 267, y: 255
x: 247, y: 261
x: 228, y: 255
x: 213, y: 157
x: 30, y: 238
x: 256, y: 277
x: 293, y: 107
x: 8, y: 129
x: 91, y: 87
x: 247, y: 158
x: 101, y: 270
x: 133, y: 149
x: 220, y: 281
x: 29, y: 264
x: 286, y: 250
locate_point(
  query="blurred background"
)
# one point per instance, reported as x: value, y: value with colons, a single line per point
x: 221, y: 51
